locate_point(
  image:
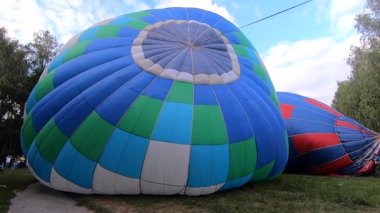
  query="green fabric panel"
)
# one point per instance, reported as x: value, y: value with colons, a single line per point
x: 108, y: 31
x: 181, y: 92
x: 138, y: 15
x: 76, y: 50
x: 240, y: 50
x: 243, y: 40
x: 262, y: 173
x: 274, y: 99
x: 53, y: 142
x: 137, y: 24
x: 141, y: 117
x: 43, y: 134
x: 208, y: 126
x: 91, y: 136
x: 243, y: 158
x: 28, y: 132
x: 260, y: 71
x: 45, y: 85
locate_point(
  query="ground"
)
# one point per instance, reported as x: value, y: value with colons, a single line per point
x: 288, y: 193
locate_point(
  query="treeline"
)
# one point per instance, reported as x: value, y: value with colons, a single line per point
x: 359, y: 96
x: 20, y: 68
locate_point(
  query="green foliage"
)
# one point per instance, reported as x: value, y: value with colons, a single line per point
x: 20, y: 68
x: 359, y: 96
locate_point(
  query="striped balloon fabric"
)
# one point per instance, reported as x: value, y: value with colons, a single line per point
x: 324, y: 141
x: 165, y: 101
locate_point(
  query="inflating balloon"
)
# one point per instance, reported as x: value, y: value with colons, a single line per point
x: 324, y: 141
x: 165, y: 101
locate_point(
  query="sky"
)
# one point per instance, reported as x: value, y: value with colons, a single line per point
x: 305, y: 49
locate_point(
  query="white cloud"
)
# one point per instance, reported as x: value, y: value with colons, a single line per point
x: 63, y: 18
x: 341, y: 14
x: 204, y: 4
x: 310, y: 67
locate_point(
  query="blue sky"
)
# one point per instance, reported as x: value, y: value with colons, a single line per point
x: 304, y: 49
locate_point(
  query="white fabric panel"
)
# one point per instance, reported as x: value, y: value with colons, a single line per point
x: 61, y: 183
x: 127, y: 185
x: 165, y: 163
x: 103, y: 181
x: 169, y: 73
x: 108, y: 182
x: 184, y: 76
x: 196, y: 191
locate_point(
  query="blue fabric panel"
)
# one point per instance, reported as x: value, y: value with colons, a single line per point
x: 306, y: 114
x: 297, y: 127
x: 174, y: 123
x: 354, y: 155
x: 82, y: 170
x: 256, y: 82
x: 73, y: 166
x: 31, y: 100
x: 65, y: 159
x: 94, y: 62
x: 178, y: 13
x: 72, y: 115
x: 325, y: 155
x: 236, y: 183
x: 226, y: 27
x: 58, y: 60
x: 194, y: 14
x: 40, y: 166
x: 108, y: 43
x: 108, y: 85
x: 89, y: 34
x: 208, y: 165
x: 236, y: 120
x: 150, y: 19
x: 128, y: 32
x: 133, y: 156
x: 124, y: 154
x: 120, y: 21
x: 302, y: 106
x: 32, y: 152
x: 113, y: 108
x: 159, y: 88
x: 354, y: 145
x: 212, y: 18
x: 268, y: 135
x: 161, y: 15
x: 204, y: 95
x: 353, y: 168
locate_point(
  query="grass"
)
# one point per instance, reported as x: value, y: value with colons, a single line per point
x: 11, y: 180
x: 288, y: 193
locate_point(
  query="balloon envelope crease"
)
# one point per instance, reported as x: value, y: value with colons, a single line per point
x: 164, y: 101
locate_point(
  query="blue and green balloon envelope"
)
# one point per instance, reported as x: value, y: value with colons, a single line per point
x: 164, y: 101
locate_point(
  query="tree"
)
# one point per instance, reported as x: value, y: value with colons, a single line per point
x: 13, y: 73
x: 20, y: 68
x: 359, y: 96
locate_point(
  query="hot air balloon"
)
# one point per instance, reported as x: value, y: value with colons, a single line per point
x: 163, y: 101
x: 324, y: 141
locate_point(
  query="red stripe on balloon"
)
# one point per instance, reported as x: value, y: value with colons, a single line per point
x: 333, y: 166
x: 323, y: 106
x: 307, y: 142
x: 348, y: 125
x: 287, y: 110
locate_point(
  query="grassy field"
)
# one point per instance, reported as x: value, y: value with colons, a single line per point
x: 288, y: 193
x: 11, y: 180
